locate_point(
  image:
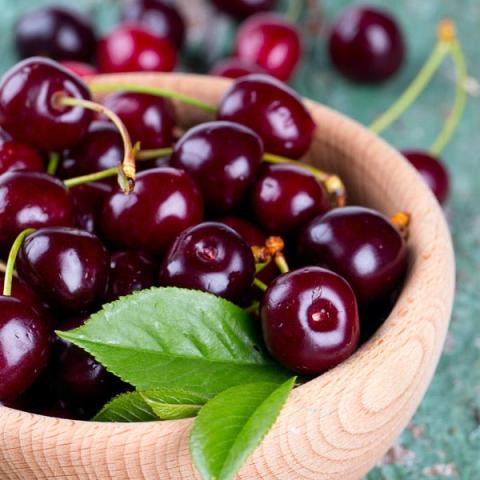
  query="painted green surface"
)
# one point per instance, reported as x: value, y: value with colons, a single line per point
x: 444, y: 438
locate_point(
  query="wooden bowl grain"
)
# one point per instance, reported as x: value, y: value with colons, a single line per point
x: 334, y: 427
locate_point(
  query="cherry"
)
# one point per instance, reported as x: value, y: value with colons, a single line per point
x: 235, y: 68
x: 24, y: 346
x: 273, y: 110
x: 310, y: 320
x: 160, y: 17
x: 69, y: 267
x: 31, y: 199
x: 432, y: 171
x: 223, y: 158
x: 366, y: 45
x: 285, y: 197
x: 130, y: 271
x: 149, y: 119
x: 55, y: 32
x: 244, y: 8
x: 271, y: 42
x: 79, y: 68
x: 131, y: 48
x: 28, y: 110
x: 361, y: 245
x: 247, y: 230
x: 165, y: 202
x: 210, y: 257
x: 19, y: 156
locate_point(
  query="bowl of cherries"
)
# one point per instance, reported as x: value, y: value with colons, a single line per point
x: 204, y: 276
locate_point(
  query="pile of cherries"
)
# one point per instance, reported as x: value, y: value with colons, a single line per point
x: 215, y: 215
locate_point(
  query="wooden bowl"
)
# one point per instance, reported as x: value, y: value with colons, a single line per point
x: 334, y: 427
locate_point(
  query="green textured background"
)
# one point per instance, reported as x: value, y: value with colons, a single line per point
x: 443, y: 439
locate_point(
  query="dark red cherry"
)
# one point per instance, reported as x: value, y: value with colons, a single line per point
x: 366, y: 45
x: 361, y: 245
x: 79, y: 68
x: 149, y: 119
x: 31, y: 200
x: 130, y: 271
x: 24, y: 346
x: 28, y: 110
x: 270, y: 41
x: 432, y: 170
x: 19, y: 156
x: 310, y: 320
x: 210, y: 257
x: 68, y: 267
x: 285, y: 197
x: 273, y: 110
x: 247, y: 230
x: 223, y: 159
x: 234, y: 68
x: 160, y: 17
x: 56, y: 32
x: 243, y: 8
x: 132, y: 48
x: 164, y: 203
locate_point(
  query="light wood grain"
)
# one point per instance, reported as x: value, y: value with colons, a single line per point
x: 335, y: 427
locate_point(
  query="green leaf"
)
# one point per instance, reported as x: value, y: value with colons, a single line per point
x: 231, y: 425
x: 173, y: 404
x: 128, y: 407
x: 177, y: 338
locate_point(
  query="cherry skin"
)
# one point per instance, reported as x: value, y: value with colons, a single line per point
x: 433, y: 172
x: 24, y: 346
x: 271, y: 42
x: 165, y: 202
x: 131, y: 48
x: 160, y: 17
x: 223, y: 158
x: 130, y: 271
x: 19, y: 156
x: 234, y: 68
x: 366, y: 45
x: 79, y: 68
x: 69, y: 267
x: 55, y: 32
x: 149, y: 119
x: 273, y: 110
x: 247, y: 230
x: 28, y: 110
x: 285, y: 197
x: 210, y: 257
x: 244, y: 8
x: 31, y: 200
x: 361, y: 245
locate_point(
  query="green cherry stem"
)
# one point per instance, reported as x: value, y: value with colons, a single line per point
x: 259, y: 284
x: 281, y: 263
x: 253, y: 307
x: 12, y: 258
x: 154, y: 153
x: 92, y: 177
x: 53, y: 161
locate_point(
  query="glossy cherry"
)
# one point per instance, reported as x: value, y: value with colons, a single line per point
x: 80, y: 69
x: 273, y: 110
x: 160, y: 17
x: 235, y: 68
x: 310, y: 320
x: 247, y: 230
x: 223, y: 159
x: 69, y: 267
x: 366, y: 45
x: 210, y: 257
x: 130, y: 271
x: 149, y: 119
x: 31, y: 200
x: 432, y: 170
x: 132, y: 48
x: 361, y: 245
x: 164, y: 203
x: 19, y: 156
x: 285, y: 197
x: 243, y: 8
x: 270, y: 41
x: 24, y: 346
x: 28, y: 110
x: 56, y: 32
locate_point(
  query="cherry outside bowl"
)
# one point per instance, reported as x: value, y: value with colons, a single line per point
x: 334, y: 427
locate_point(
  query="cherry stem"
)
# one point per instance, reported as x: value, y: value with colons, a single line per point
x: 294, y: 10
x: 53, y: 161
x: 92, y: 177
x: 253, y: 307
x: 155, y: 91
x: 259, y: 284
x: 126, y: 172
x: 281, y: 262
x: 12, y: 258
x: 154, y: 153
x: 332, y: 183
